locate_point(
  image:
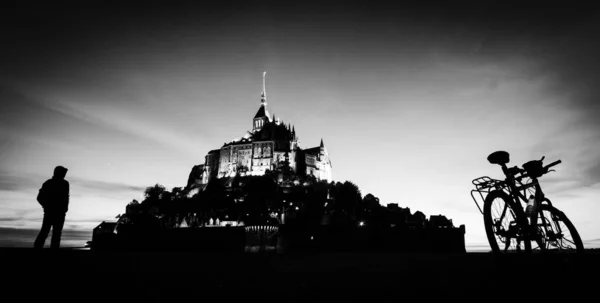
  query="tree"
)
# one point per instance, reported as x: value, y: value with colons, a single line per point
x: 166, y: 196
x: 314, y: 203
x: 369, y: 203
x: 347, y: 198
x: 177, y: 192
x: 261, y: 192
x: 214, y: 193
x: 152, y: 197
x: 154, y: 192
x: 351, y: 196
x: 132, y: 207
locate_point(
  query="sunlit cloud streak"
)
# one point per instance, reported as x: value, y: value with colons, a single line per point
x: 17, y: 237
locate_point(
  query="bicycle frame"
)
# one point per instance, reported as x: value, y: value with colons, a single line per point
x: 486, y: 184
x: 516, y: 190
x: 533, y: 218
x: 524, y: 226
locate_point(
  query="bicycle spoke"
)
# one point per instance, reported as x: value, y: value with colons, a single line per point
x: 505, y: 226
x: 555, y: 234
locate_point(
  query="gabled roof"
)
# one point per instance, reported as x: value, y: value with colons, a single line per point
x: 272, y: 131
x: 241, y: 141
x: 262, y: 112
x: 313, y: 151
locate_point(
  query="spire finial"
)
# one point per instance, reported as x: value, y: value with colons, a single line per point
x: 322, y: 145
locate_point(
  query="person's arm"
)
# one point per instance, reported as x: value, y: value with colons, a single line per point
x: 43, y: 194
x: 67, y: 197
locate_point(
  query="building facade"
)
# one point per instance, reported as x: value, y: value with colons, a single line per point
x: 269, y: 145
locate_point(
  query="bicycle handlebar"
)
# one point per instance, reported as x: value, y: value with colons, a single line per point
x: 545, y: 170
x: 557, y: 162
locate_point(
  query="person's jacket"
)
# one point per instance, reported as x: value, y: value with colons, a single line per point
x: 55, y: 194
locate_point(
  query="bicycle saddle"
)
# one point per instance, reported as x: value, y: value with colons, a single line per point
x: 499, y: 157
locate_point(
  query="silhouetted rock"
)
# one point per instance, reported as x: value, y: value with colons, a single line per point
x: 195, y: 176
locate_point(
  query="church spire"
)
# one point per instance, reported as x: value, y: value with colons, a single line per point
x: 262, y: 116
x: 322, y: 145
x: 263, y: 95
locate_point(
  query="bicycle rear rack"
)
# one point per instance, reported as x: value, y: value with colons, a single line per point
x: 485, y: 185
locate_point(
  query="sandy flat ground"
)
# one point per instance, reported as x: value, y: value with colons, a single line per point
x: 72, y: 275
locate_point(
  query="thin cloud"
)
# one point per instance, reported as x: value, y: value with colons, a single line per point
x: 12, y: 182
x: 477, y: 247
x: 112, y: 117
x: 577, y: 82
x: 19, y: 217
x: 104, y: 185
x: 593, y: 173
x: 20, y: 182
x: 567, y: 61
x: 10, y: 219
x: 563, y: 185
x: 79, y: 222
x: 27, y: 117
x: 24, y: 237
x: 594, y: 243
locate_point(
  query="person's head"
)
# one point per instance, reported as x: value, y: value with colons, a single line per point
x: 60, y: 172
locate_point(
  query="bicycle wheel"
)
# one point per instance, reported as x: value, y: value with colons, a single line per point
x: 557, y: 232
x: 505, y: 224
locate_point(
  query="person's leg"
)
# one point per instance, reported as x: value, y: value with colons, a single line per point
x: 57, y: 226
x: 41, y: 237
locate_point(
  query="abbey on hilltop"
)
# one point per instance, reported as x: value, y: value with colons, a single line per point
x: 269, y: 145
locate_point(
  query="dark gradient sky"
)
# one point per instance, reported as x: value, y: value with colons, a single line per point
x: 409, y: 99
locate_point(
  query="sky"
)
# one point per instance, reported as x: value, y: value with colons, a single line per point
x: 409, y: 100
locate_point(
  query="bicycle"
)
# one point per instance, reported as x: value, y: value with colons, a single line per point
x: 508, y: 223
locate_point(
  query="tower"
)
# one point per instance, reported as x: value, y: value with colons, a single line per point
x: 262, y: 116
x: 270, y: 143
x: 323, y: 163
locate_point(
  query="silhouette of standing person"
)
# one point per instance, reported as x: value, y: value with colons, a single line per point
x: 54, y: 198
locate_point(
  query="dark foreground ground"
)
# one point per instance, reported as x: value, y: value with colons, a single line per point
x: 83, y: 276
